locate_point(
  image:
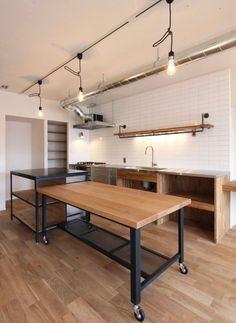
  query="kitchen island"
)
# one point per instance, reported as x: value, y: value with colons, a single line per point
x: 130, y: 208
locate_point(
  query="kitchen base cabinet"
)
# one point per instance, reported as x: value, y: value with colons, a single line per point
x: 209, y: 204
x: 141, y: 180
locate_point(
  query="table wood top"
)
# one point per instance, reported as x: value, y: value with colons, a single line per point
x: 230, y: 186
x: 129, y: 207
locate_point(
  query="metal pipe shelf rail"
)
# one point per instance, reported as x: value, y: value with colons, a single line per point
x: 32, y: 197
x: 126, y: 207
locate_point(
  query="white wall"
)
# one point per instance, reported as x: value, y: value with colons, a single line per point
x: 79, y: 149
x: 233, y: 142
x: 175, y: 105
x: 12, y: 104
x: 24, y: 149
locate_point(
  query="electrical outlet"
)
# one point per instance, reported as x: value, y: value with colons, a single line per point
x: 124, y: 160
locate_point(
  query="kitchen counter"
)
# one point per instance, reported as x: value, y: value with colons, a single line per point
x: 170, y: 171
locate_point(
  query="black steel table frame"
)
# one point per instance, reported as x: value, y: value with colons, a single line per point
x: 134, y: 266
x: 36, y: 196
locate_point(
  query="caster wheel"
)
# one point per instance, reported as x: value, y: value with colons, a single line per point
x: 45, y: 241
x: 183, y: 269
x: 139, y: 315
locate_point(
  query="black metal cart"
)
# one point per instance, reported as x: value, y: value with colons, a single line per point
x: 43, y: 176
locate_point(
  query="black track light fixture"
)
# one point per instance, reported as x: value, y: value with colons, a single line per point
x: 81, y: 93
x: 40, y: 111
x: 171, y: 56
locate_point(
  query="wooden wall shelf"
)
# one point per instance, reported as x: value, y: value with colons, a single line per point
x: 165, y: 131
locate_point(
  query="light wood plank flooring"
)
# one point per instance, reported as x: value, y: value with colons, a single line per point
x: 68, y: 282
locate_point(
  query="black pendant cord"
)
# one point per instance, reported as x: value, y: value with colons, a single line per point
x: 167, y: 33
x: 91, y: 46
x: 78, y: 74
x: 40, y: 99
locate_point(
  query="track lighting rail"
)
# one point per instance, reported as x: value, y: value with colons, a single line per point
x: 92, y: 45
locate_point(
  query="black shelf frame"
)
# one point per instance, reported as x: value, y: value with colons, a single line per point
x: 37, y: 204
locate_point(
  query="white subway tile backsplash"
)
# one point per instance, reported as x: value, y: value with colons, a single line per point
x: 174, y: 105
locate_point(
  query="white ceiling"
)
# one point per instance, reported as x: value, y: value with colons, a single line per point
x: 37, y: 36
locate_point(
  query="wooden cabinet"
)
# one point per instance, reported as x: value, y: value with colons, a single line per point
x: 209, y: 203
x: 142, y: 180
x: 57, y: 144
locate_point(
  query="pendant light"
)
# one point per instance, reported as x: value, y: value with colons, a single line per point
x: 171, y: 69
x: 81, y: 93
x: 40, y: 110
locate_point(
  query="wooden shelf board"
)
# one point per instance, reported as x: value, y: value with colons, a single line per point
x: 57, y: 141
x: 164, y: 131
x: 27, y: 216
x: 58, y: 132
x: 201, y: 202
x: 29, y: 195
x: 229, y: 186
x: 56, y: 151
x: 56, y: 158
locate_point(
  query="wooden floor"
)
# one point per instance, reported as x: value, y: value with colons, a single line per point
x: 69, y: 282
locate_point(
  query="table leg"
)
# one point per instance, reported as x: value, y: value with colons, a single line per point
x: 11, y: 205
x: 135, y: 260
x: 44, y: 219
x: 36, y: 216
x: 182, y: 267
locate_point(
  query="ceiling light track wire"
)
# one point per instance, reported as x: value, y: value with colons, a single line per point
x: 169, y: 31
x: 90, y: 46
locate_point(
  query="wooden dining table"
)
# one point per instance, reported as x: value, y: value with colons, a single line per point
x: 131, y: 208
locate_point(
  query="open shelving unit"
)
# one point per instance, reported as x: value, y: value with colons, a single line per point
x: 57, y: 144
x: 193, y: 129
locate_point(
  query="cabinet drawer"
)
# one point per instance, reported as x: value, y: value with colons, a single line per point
x: 137, y: 175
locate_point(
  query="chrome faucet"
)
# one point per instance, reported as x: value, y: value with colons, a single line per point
x: 153, y: 164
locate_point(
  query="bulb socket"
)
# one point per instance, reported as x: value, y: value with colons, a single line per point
x: 171, y: 55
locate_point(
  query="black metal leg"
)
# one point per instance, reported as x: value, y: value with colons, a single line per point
x: 87, y: 216
x: 135, y: 266
x: 11, y: 205
x: 44, y: 219
x: 36, y: 216
x: 135, y: 262
x: 181, y: 235
x: 182, y: 267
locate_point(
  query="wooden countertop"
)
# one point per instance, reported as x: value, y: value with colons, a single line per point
x: 130, y: 207
x: 229, y: 186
